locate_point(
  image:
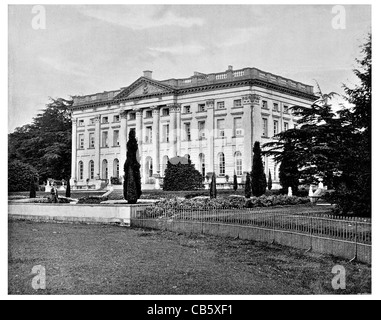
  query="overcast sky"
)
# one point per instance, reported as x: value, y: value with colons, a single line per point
x: 90, y: 49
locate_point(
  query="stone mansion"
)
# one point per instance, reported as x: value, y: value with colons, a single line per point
x: 213, y: 118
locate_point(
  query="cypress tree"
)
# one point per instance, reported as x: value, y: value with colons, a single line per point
x: 258, y: 176
x: 270, y: 182
x: 132, y: 188
x: 235, y: 183
x: 68, y: 190
x: 32, y: 193
x: 213, y: 187
x: 248, y: 187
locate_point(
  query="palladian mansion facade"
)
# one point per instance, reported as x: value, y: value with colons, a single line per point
x: 212, y: 118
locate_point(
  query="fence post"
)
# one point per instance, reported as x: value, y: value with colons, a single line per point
x: 355, y: 257
x: 310, y: 248
x: 273, y: 242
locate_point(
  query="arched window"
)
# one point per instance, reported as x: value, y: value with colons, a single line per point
x: 221, y: 164
x: 80, y: 170
x: 238, y: 163
x: 91, y: 169
x: 165, y: 164
x: 202, y: 164
x: 149, y: 167
x: 104, y: 169
x: 116, y: 168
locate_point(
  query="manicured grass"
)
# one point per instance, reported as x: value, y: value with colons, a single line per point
x: 84, y: 259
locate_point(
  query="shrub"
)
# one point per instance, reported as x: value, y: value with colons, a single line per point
x: 91, y: 200
x: 19, y: 176
x: 115, y: 181
x: 182, y: 177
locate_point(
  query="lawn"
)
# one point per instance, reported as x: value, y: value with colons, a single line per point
x: 84, y: 259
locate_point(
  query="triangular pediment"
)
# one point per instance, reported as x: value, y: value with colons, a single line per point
x: 144, y: 87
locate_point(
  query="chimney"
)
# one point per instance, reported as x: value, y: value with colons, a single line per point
x: 147, y: 74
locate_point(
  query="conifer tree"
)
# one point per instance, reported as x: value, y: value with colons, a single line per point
x: 258, y: 176
x: 132, y: 181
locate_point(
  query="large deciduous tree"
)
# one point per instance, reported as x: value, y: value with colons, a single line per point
x: 45, y: 144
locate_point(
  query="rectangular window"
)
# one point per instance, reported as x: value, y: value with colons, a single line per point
x: 201, y: 107
x: 221, y: 105
x: 264, y: 104
x: 148, y: 134
x: 116, y: 118
x: 221, y: 128
x: 276, y: 107
x: 187, y: 109
x: 116, y: 138
x: 105, y: 120
x: 166, y: 133
x: 276, y: 128
x: 237, y: 103
x: 187, y: 128
x: 149, y: 114
x: 104, y: 139
x: 285, y: 126
x: 91, y: 140
x: 238, y: 127
x: 165, y: 112
x: 201, y: 130
x: 81, y: 141
x: 265, y: 127
x: 92, y: 121
x: 81, y: 123
x: 133, y: 116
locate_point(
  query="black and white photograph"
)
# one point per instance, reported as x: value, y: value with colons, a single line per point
x: 189, y: 150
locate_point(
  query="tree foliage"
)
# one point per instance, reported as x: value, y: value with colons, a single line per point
x: 335, y: 146
x: 258, y: 176
x: 45, y: 144
x: 132, y: 186
x: 20, y: 176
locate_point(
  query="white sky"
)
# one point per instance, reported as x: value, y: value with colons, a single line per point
x: 89, y: 49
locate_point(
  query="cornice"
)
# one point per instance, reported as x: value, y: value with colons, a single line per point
x: 201, y: 88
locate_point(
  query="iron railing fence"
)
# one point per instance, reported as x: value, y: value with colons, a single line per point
x: 307, y: 226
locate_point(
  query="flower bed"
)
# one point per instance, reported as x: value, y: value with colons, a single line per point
x: 169, y: 206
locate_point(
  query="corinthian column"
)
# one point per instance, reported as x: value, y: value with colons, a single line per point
x: 123, y: 137
x: 139, y: 134
x: 210, y: 136
x: 97, y: 160
x: 73, y: 151
x: 172, y: 130
x: 251, y: 127
x: 156, y: 139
